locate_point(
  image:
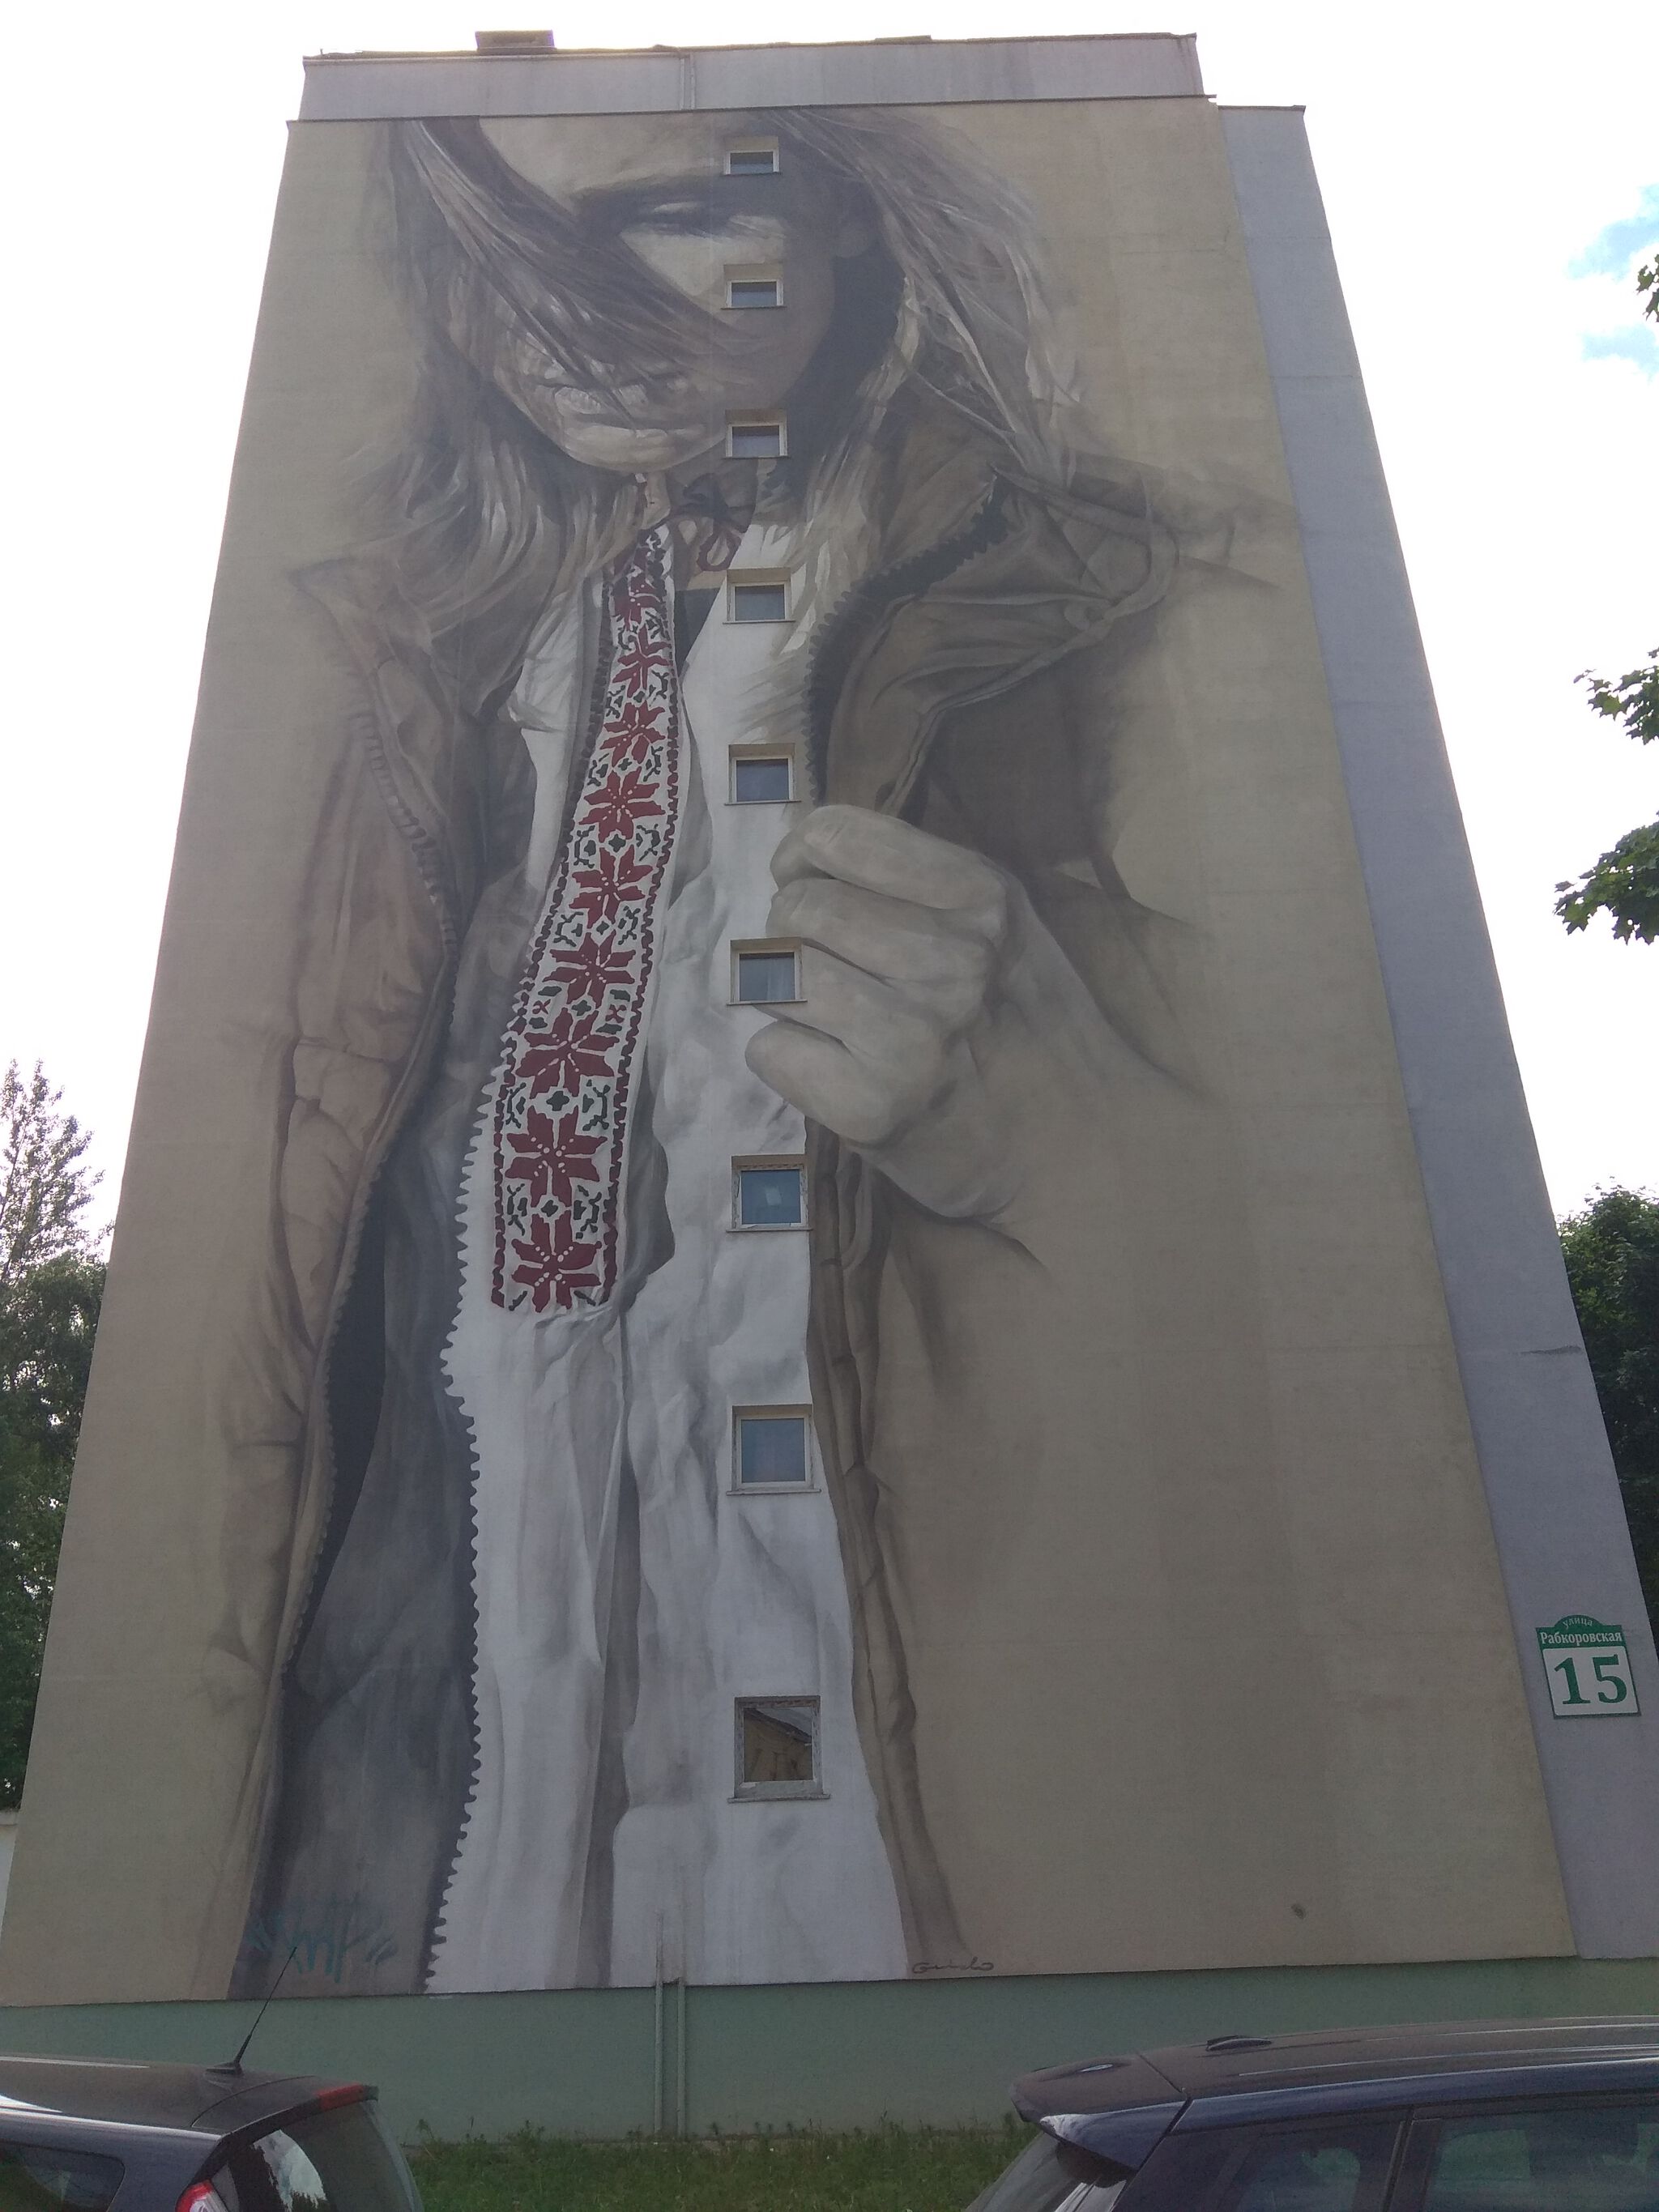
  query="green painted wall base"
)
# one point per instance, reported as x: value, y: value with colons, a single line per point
x: 837, y: 2055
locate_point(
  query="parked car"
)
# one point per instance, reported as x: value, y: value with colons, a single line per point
x: 1505, y: 2116
x: 95, y: 2135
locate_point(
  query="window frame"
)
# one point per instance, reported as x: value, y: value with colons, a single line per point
x: 777, y: 1793
x: 745, y: 948
x: 753, y: 146
x: 769, y: 580
x: 760, y: 418
x: 751, y: 1161
x: 734, y: 754
x: 809, y: 1482
x: 753, y: 272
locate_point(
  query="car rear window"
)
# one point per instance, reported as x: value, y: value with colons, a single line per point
x: 340, y: 2160
x: 34, y: 2179
x: 1049, y: 2176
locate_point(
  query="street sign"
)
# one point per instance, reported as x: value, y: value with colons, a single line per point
x: 1588, y: 1668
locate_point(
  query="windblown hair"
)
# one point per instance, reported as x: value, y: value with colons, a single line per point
x: 946, y: 316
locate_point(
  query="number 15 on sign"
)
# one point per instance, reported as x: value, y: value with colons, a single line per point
x: 1586, y: 1666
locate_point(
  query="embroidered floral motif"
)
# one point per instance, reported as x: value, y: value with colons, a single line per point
x: 563, y: 1085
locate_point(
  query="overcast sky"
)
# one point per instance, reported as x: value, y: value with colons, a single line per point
x: 1491, y: 175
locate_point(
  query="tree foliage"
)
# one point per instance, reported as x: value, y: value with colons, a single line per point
x: 1611, y: 1252
x: 44, y: 1191
x: 1624, y: 884
x: 51, y: 1284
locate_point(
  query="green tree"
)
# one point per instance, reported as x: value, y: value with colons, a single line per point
x: 1624, y: 883
x: 1611, y: 1252
x: 51, y: 1283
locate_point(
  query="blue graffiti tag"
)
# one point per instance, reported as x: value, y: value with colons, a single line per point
x: 322, y: 1934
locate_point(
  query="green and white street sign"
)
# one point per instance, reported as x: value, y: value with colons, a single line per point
x: 1588, y: 1668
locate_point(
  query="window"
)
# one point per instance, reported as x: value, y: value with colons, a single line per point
x: 770, y: 1447
x: 754, y: 288
x: 340, y: 2160
x: 1582, y: 2157
x: 758, y: 598
x: 768, y: 1193
x: 1052, y: 2177
x: 756, y: 157
x: 1335, y: 2166
x: 755, y: 437
x: 762, y: 779
x: 765, y: 974
x: 777, y: 1748
x: 34, y: 2178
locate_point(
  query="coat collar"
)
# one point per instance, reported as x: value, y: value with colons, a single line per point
x: 991, y: 577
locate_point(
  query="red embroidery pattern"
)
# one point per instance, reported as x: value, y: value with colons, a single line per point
x: 563, y: 1084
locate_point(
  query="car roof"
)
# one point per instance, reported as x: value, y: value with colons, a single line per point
x: 204, y: 2099
x: 1240, y: 2077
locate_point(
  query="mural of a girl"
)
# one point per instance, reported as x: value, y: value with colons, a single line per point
x: 506, y: 1723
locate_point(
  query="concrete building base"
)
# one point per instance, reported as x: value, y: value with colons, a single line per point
x: 615, y: 2062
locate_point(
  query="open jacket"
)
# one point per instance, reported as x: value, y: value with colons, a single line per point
x: 967, y: 684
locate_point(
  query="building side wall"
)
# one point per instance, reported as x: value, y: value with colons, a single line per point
x: 1554, y: 1499
x: 1208, y: 1660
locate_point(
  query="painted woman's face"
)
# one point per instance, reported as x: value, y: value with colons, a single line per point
x: 655, y: 186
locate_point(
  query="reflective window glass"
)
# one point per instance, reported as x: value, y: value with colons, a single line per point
x: 1582, y: 2157
x: 771, y: 1198
x: 767, y: 979
x: 1052, y: 2177
x: 771, y: 1448
x: 756, y: 782
x: 760, y: 603
x: 777, y: 1747
x: 339, y: 2161
x: 34, y: 2178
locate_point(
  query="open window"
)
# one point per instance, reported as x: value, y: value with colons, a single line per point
x: 777, y: 1749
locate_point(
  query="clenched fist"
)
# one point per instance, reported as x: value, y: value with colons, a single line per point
x: 927, y: 986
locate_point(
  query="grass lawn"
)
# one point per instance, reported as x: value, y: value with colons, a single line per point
x: 888, y: 2170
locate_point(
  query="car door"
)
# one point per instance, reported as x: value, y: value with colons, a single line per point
x: 1559, y: 2154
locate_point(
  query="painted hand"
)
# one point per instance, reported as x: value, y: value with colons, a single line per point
x: 913, y: 953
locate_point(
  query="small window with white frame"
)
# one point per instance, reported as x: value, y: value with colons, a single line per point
x: 766, y: 972
x: 756, y: 437
x: 756, y: 284
x: 776, y: 1748
x: 771, y: 1450
x: 762, y: 775
x: 769, y: 1191
x: 755, y: 595
x: 752, y: 157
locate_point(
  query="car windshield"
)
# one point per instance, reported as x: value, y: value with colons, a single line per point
x: 1049, y: 2176
x: 340, y: 2160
